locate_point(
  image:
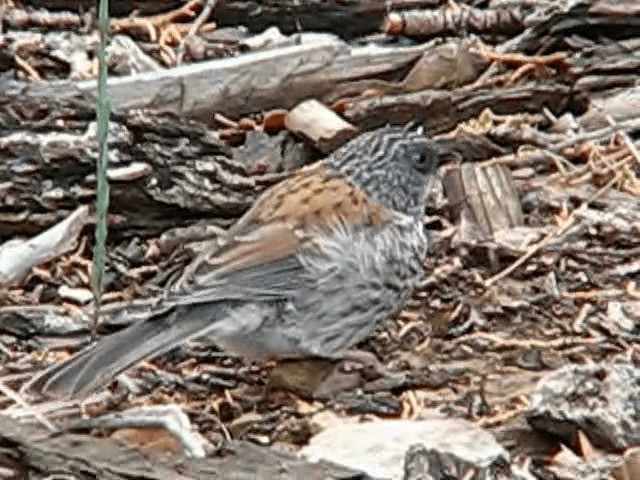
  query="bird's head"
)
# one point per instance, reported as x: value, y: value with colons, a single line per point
x: 392, y: 165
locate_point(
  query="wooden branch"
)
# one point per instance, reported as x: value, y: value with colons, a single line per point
x: 452, y: 19
x: 121, y: 8
x: 18, y: 257
x: 349, y: 19
x: 278, y: 78
x: 442, y: 110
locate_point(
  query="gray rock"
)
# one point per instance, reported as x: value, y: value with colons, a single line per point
x: 602, y: 400
x: 430, y: 464
x: 597, y: 469
x: 431, y: 449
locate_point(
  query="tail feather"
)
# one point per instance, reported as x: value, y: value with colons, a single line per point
x: 99, y: 364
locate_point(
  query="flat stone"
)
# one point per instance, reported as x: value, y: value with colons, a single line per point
x: 402, y: 449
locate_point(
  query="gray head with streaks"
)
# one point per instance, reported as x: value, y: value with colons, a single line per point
x: 392, y: 165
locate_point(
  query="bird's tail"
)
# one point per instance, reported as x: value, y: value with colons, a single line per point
x: 99, y: 364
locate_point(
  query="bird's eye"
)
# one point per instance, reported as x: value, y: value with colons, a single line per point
x: 426, y: 161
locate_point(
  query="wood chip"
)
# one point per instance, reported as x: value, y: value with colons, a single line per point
x: 319, y: 124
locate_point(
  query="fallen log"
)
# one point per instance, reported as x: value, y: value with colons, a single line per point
x: 442, y: 110
x: 349, y: 19
x: 278, y: 78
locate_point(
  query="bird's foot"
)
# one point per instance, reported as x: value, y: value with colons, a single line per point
x: 368, y: 361
x: 320, y: 378
x: 378, y: 376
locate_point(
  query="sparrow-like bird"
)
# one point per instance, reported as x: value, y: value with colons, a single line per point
x: 306, y: 272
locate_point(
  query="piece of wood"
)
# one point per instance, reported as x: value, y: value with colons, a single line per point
x: 168, y: 423
x: 450, y: 64
x: 83, y: 456
x: 234, y: 86
x: 349, y: 19
x: 441, y: 110
x: 322, y: 126
x: 482, y: 198
x: 18, y: 257
x: 453, y: 19
x: 30, y: 321
x: 120, y: 8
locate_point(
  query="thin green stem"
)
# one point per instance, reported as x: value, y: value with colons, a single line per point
x: 103, y: 109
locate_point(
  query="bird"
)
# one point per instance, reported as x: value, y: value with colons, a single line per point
x: 307, y: 272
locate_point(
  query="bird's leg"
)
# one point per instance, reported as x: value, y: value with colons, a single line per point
x: 383, y: 378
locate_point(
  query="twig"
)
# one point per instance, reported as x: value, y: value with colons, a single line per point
x: 631, y: 124
x: 5, y: 350
x: 155, y: 23
x: 29, y: 70
x: 552, y: 235
x: 519, y: 60
x: 227, y: 122
x: 627, y: 141
x: 503, y: 417
x: 595, y: 294
x: 585, y: 173
x: 515, y: 343
x: 16, y: 397
x: 204, y: 15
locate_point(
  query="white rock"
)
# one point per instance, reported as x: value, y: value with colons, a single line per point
x: 379, y: 448
x: 78, y: 295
